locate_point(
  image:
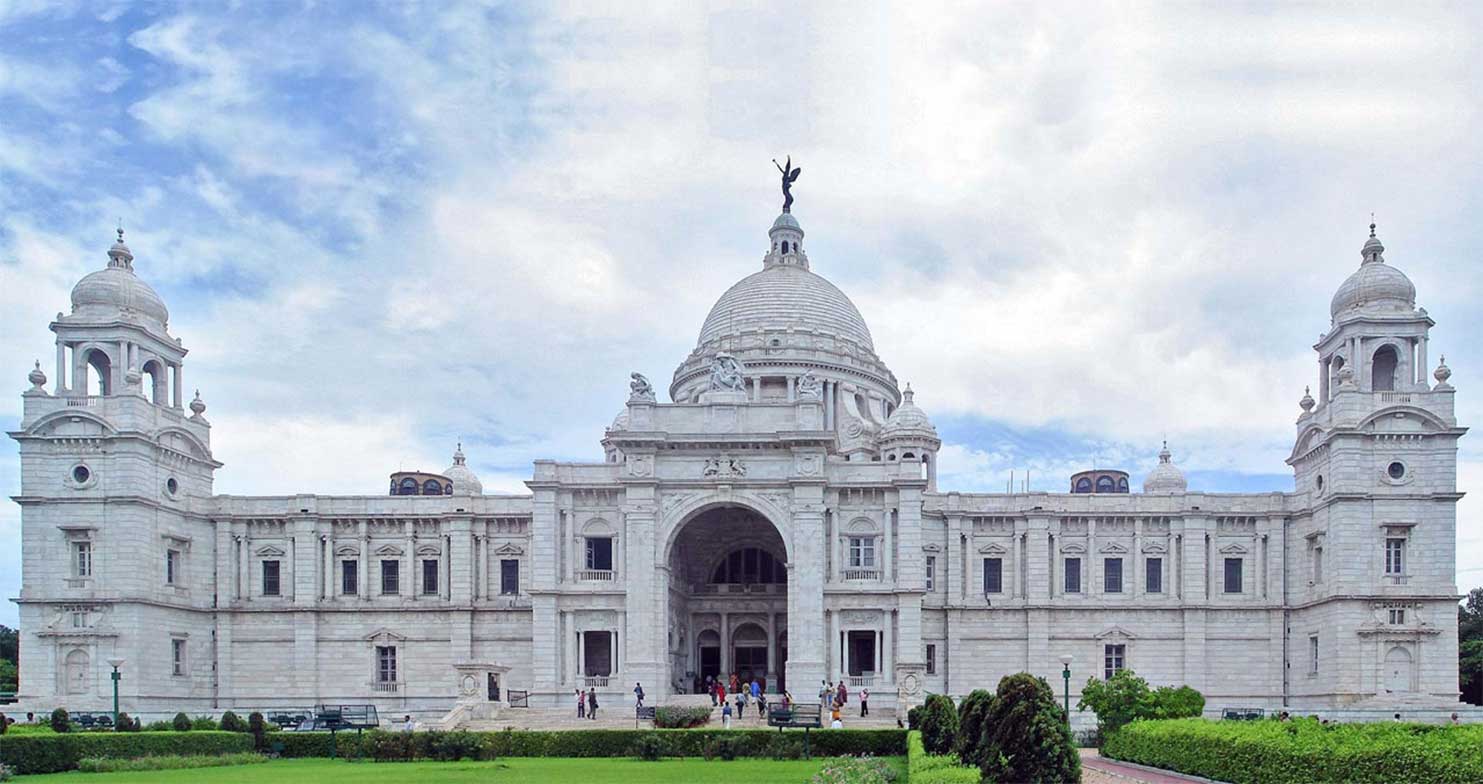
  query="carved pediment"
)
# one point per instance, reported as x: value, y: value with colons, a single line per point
x: 932, y: 548
x: 347, y: 551
x: 1115, y: 633
x: 388, y: 550
x: 1074, y: 548
x: 993, y: 548
x: 429, y: 550
x: 510, y: 549
x: 1156, y: 548
x: 1114, y: 548
x: 1233, y: 549
x: 269, y: 551
x: 384, y: 636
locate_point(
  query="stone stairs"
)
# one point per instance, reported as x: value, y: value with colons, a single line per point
x: 620, y: 716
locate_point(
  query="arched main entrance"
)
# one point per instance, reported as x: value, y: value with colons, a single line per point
x: 728, y: 599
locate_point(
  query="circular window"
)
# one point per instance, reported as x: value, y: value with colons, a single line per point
x: 1396, y: 470
x: 81, y: 474
x: 171, y: 486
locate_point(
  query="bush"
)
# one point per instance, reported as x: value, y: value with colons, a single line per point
x: 54, y: 753
x: 167, y: 762
x: 1026, y: 737
x: 725, y: 747
x: 126, y: 723
x: 914, y: 718
x: 231, y: 722
x: 181, y: 723
x: 971, y: 712
x: 160, y: 726
x: 259, y: 729
x: 1126, y: 697
x: 939, y: 724
x: 4, y: 724
x: 924, y: 768
x: 1303, y: 750
x: 60, y: 721
x: 1181, y: 703
x: 855, y: 770
x: 673, y: 717
x: 649, y: 746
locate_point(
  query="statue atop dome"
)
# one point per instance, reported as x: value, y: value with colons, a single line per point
x: 790, y: 175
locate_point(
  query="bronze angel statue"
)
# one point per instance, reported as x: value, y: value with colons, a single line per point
x: 790, y: 174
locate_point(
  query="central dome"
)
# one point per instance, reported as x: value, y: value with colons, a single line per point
x: 780, y: 297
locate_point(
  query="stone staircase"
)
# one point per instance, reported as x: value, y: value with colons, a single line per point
x: 620, y: 716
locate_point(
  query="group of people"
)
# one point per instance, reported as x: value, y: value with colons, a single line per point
x: 587, y: 704
x: 744, y: 692
x: 836, y: 696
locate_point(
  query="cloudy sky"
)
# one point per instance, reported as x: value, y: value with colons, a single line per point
x: 1076, y: 229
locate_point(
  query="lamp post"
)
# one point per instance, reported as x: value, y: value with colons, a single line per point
x: 1066, y: 677
x: 115, y: 663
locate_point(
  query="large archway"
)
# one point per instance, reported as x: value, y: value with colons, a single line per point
x: 728, y: 599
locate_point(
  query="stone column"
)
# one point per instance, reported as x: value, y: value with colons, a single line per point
x: 835, y: 648
x: 1137, y: 559
x: 177, y: 401
x: 1323, y: 381
x: 225, y: 564
x: 888, y: 661
x: 1422, y: 366
x: 570, y: 638
x: 772, y: 646
x: 244, y: 566
x: 725, y: 645
x: 460, y: 554
x: 408, y: 583
x: 363, y: 580
x: 791, y: 394
x: 806, y: 584
x: 305, y: 558
x: 60, y: 385
x: 645, y: 579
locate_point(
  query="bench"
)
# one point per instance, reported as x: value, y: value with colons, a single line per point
x: 1242, y: 714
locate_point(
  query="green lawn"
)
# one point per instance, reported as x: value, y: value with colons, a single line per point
x: 512, y: 770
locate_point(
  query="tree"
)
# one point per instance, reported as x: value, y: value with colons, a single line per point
x: 1181, y: 703
x: 1470, y: 647
x: 181, y: 722
x: 9, y: 675
x: 971, y: 713
x: 1117, y: 700
x: 1026, y: 737
x: 939, y: 724
x: 10, y: 644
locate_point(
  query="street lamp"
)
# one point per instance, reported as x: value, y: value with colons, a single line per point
x: 115, y: 663
x: 1066, y: 676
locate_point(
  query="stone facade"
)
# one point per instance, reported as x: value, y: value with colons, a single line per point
x: 780, y: 517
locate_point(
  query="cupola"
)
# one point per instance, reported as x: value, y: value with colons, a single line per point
x: 463, y: 478
x: 1165, y: 477
x: 1376, y: 288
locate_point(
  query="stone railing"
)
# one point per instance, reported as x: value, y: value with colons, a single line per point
x: 596, y: 575
x: 385, y: 686
x: 862, y: 574
x: 595, y: 681
x: 83, y: 402
x: 860, y: 681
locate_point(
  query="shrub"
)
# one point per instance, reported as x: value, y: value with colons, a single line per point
x: 1126, y: 697
x: 445, y: 746
x: 60, y: 721
x: 1303, y: 750
x: 971, y: 712
x: 160, y: 726
x: 53, y: 753
x: 855, y: 770
x: 675, y: 717
x: 725, y: 747
x: 649, y: 746
x: 126, y: 723
x: 914, y: 718
x: 390, y: 746
x: 4, y: 724
x: 1181, y: 703
x: 181, y: 723
x: 939, y: 724
x: 259, y: 729
x: 167, y: 762
x: 204, y: 724
x: 1026, y: 737
x: 231, y: 722
x: 924, y: 768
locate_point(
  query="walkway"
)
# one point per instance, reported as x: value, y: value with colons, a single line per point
x: 1097, y: 770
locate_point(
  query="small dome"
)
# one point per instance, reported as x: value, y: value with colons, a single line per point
x: 620, y: 422
x: 1375, y: 286
x: 908, y: 421
x: 116, y: 291
x: 1165, y: 477
x: 464, y: 481
x: 787, y: 221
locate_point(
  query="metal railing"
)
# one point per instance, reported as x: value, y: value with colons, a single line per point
x: 596, y: 575
x: 862, y: 574
x: 517, y: 699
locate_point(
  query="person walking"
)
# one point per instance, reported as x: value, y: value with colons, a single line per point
x: 592, y: 703
x: 741, y: 705
x: 726, y: 716
x: 710, y: 688
x: 721, y: 692
x: 581, y: 704
x: 865, y: 702
x: 734, y: 686
x: 638, y: 693
x: 844, y: 694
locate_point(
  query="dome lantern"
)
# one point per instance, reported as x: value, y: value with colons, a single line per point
x: 1165, y: 477
x: 1376, y: 287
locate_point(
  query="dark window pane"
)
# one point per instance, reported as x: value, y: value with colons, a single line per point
x: 270, y: 578
x: 1073, y: 575
x: 509, y: 576
x: 429, y: 576
x: 1112, y: 575
x: 1233, y: 575
x: 1154, y: 576
x: 993, y: 575
x: 391, y: 577
x: 349, y: 577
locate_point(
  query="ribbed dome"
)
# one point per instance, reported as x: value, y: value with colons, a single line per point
x: 908, y: 421
x: 116, y: 291
x: 1165, y: 477
x: 1375, y: 286
x: 785, y: 296
x: 463, y: 478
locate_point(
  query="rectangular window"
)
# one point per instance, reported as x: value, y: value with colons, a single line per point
x: 993, y: 575
x: 1233, y: 575
x: 386, y: 663
x: 1397, y: 617
x: 931, y: 573
x: 1153, y: 575
x: 79, y: 620
x: 1313, y: 655
x: 429, y: 575
x: 1113, y: 660
x: 862, y: 552
x: 1112, y: 575
x: 1073, y: 575
x: 177, y: 657
x: 391, y: 577
x: 509, y: 576
x: 600, y: 553
x: 349, y: 577
x: 82, y: 559
x: 1318, y: 564
x: 931, y: 659
x: 1395, y: 555
x: 172, y: 567
x: 270, y: 578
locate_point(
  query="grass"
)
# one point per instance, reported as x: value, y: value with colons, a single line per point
x: 513, y: 770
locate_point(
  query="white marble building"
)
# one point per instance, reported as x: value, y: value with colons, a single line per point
x: 781, y: 516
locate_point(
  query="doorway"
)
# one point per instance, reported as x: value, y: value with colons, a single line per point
x: 493, y: 685
x: 861, y: 645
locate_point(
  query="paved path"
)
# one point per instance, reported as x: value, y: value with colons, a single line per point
x: 1097, y: 770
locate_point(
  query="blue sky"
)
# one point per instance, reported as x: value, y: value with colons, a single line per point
x: 384, y: 227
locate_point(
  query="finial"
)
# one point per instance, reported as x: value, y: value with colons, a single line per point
x: 37, y: 377
x: 1372, y: 224
x: 907, y: 393
x: 458, y: 458
x: 1307, y: 402
x: 1164, y: 453
x: 198, y: 406
x: 1442, y: 373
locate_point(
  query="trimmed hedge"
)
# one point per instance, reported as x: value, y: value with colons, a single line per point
x: 924, y: 768
x: 55, y: 753
x: 680, y: 717
x: 392, y: 746
x: 1303, y: 750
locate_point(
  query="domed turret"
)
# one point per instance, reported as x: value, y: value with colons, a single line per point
x: 1165, y: 477
x: 463, y: 478
x: 1374, y: 288
x: 908, y: 423
x: 115, y: 293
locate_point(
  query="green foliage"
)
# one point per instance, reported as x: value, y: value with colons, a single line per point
x: 1178, y: 703
x: 1126, y: 697
x: 914, y: 718
x: 204, y: 723
x: 855, y: 770
x: 181, y: 723
x: 650, y: 746
x: 1470, y: 647
x: 167, y: 762
x: 971, y: 713
x: 10, y: 644
x: 676, y: 717
x: 723, y: 747
x: 60, y: 721
x: 10, y: 675
x: 160, y: 726
x: 4, y: 724
x: 1304, y: 750
x: 924, y: 768
x: 259, y: 729
x: 231, y: 722
x: 126, y: 723
x: 939, y: 724
x: 53, y: 753
x: 1026, y: 737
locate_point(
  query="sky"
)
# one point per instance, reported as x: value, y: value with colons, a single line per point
x: 1077, y: 229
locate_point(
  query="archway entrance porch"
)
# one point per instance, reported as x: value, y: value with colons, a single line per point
x: 728, y: 601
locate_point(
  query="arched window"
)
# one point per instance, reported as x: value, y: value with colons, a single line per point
x: 749, y: 566
x: 1382, y: 369
x: 785, y: 246
x: 1122, y: 485
x: 448, y: 489
x: 99, y: 373
x: 1083, y: 485
x: 158, y: 388
x: 432, y: 487
x: 1104, y: 484
x: 408, y: 486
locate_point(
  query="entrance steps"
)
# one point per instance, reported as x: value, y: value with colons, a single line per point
x: 620, y: 717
